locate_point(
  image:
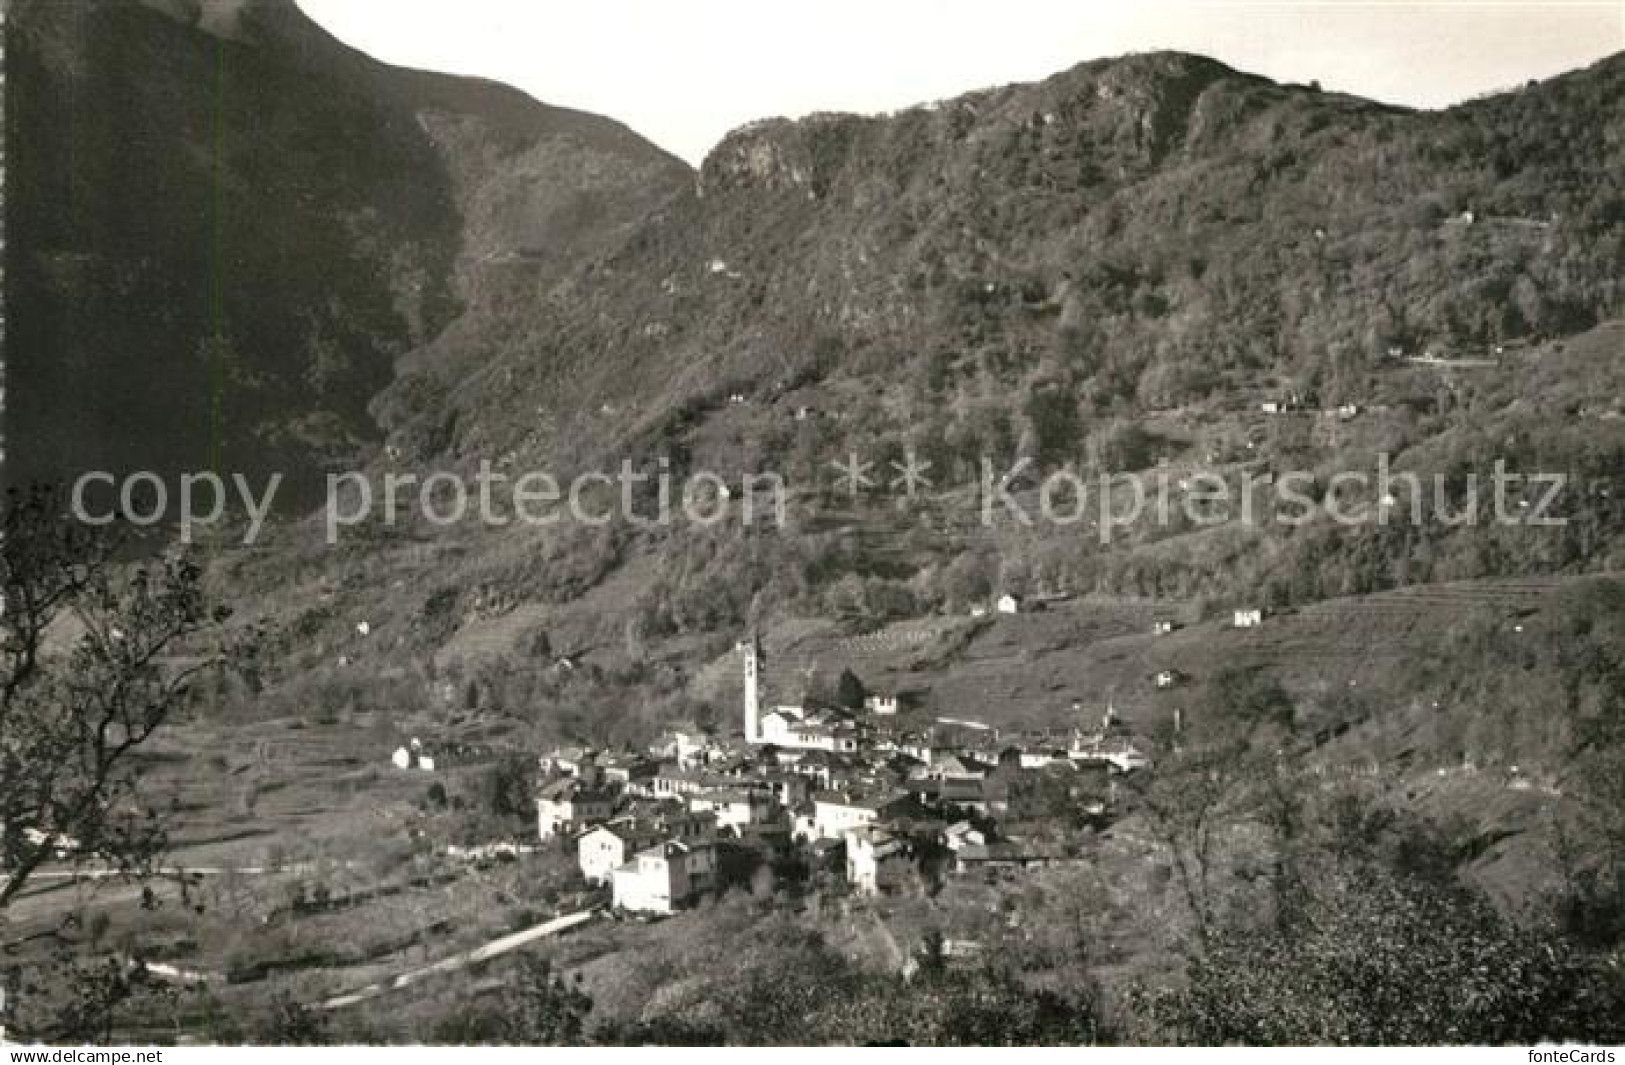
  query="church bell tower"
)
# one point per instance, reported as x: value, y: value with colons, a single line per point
x: 752, y: 651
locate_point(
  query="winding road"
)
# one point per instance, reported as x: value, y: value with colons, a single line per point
x: 456, y: 962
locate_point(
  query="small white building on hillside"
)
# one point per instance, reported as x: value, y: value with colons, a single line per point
x: 412, y: 756
x: 1167, y: 679
x: 881, y: 705
x: 877, y: 861
x: 602, y: 850
x: 664, y: 878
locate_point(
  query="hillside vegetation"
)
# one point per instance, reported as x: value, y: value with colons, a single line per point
x: 1107, y: 271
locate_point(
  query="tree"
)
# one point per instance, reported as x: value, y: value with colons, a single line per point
x: 849, y: 691
x: 1223, y: 769
x: 96, y: 655
x: 1386, y: 959
x: 968, y: 580
x: 80, y: 1000
x: 510, y: 787
x: 1126, y: 447
x: 288, y: 1022
x: 541, y: 1008
x: 816, y: 690
x: 942, y: 1007
x: 94, y: 659
x: 1184, y: 804
x: 1052, y: 412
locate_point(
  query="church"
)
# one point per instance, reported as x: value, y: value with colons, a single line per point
x: 798, y: 727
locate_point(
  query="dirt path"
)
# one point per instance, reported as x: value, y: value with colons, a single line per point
x: 462, y: 960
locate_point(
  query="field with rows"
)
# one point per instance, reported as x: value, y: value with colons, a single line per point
x: 1030, y: 669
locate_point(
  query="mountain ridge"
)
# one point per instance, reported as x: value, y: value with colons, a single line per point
x: 243, y: 224
x: 808, y: 157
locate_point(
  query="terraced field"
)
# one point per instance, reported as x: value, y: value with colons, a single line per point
x: 1032, y: 668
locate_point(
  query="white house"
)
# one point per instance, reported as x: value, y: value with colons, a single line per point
x: 1163, y: 627
x: 1168, y: 678
x: 1126, y: 759
x: 602, y: 850
x: 954, y: 766
x: 686, y: 746
x: 777, y: 725
x: 1038, y: 758
x: 881, y: 705
x: 836, y: 813
x: 959, y: 779
x: 623, y: 769
x: 1250, y: 618
x: 795, y: 727
x: 877, y: 861
x: 1008, y: 604
x: 664, y: 878
x: 670, y: 782
x: 568, y: 805
x: 412, y: 757
x: 569, y: 761
x: 736, y: 809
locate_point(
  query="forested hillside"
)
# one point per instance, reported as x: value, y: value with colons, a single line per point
x: 226, y: 228
x: 1109, y: 271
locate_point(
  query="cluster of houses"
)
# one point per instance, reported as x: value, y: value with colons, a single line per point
x: 872, y: 795
x: 1292, y: 403
x: 442, y: 755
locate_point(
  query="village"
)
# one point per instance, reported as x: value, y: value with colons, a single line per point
x: 876, y: 791
x: 879, y: 796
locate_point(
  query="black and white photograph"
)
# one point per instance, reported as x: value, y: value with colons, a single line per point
x: 729, y: 523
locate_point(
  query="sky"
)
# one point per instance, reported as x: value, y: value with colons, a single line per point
x: 685, y: 72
